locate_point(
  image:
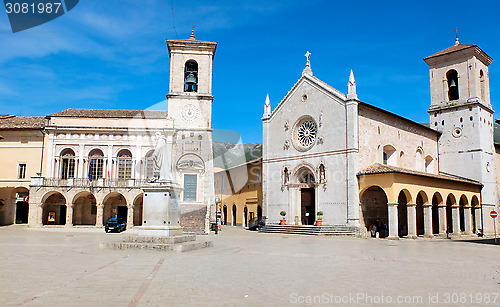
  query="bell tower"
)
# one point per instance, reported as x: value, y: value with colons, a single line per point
x: 461, y: 110
x: 190, y: 85
x: 190, y: 108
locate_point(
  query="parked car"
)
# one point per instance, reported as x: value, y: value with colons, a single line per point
x: 115, y: 224
x: 256, y: 223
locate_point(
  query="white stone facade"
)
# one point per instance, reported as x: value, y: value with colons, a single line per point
x: 351, y: 136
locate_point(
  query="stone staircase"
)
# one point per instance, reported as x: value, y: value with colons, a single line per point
x: 182, y: 243
x: 334, y: 230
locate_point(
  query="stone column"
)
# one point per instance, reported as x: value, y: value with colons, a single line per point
x: 393, y: 221
x: 478, y: 218
x: 412, y: 220
x: 468, y: 220
x: 455, y: 220
x: 428, y: 221
x: 442, y: 220
x: 130, y: 217
x: 100, y: 210
x: 39, y: 215
x: 69, y: 215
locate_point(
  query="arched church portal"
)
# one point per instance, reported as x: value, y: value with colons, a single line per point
x: 307, y: 187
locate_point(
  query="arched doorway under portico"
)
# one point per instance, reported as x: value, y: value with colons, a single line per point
x: 374, y: 207
x: 54, y: 209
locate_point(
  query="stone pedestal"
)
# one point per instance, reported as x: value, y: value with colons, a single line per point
x: 161, y: 211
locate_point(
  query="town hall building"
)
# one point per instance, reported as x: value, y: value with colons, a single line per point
x: 87, y: 165
x: 360, y: 165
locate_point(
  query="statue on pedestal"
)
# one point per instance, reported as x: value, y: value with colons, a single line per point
x: 161, y: 159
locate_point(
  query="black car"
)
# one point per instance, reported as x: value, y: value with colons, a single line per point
x: 115, y: 224
x: 256, y: 223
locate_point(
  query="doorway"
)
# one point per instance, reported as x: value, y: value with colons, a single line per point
x: 22, y: 209
x: 307, y: 203
x: 122, y: 212
x: 234, y: 215
x: 224, y: 213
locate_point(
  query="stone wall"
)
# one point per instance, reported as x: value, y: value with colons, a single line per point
x: 378, y: 129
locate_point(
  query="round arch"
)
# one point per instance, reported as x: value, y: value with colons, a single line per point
x: 115, y: 205
x: 374, y: 208
x: 138, y: 207
x: 475, y: 213
x: 437, y: 200
x: 53, y: 208
x: 234, y: 215
x: 84, y: 208
x: 451, y: 201
x: 463, y: 202
x: 420, y: 201
x: 21, y: 195
x: 302, y: 170
x: 404, y: 198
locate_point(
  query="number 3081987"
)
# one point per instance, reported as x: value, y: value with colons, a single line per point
x: 32, y: 8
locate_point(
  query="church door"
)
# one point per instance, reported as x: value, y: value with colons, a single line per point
x: 307, y: 206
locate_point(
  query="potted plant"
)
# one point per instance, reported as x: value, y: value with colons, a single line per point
x: 283, y: 220
x: 319, y: 221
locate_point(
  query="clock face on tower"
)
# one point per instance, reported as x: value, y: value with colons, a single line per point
x: 189, y: 113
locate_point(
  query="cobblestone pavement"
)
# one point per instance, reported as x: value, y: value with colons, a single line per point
x: 66, y: 267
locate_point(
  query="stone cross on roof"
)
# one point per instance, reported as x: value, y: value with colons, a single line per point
x: 307, y: 55
x: 308, y: 69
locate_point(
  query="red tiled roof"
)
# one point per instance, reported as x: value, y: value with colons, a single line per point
x: 474, y: 49
x: 451, y: 49
x: 378, y: 168
x: 12, y: 122
x: 102, y: 113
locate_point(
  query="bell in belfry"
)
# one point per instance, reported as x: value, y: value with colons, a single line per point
x: 191, y: 79
x: 191, y: 83
x: 453, y: 83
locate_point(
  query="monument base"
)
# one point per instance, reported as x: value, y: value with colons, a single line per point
x: 178, y: 243
x: 159, y: 231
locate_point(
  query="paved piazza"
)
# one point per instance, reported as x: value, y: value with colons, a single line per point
x: 66, y: 267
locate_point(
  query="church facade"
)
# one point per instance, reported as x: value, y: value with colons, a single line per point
x: 361, y: 165
x: 95, y: 162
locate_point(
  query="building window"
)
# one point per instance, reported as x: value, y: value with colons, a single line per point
x: 21, y: 171
x: 67, y: 164
x: 482, y: 85
x: 190, y: 185
x: 389, y: 156
x: 149, y: 164
x: 257, y: 175
x: 191, y: 76
x: 96, y: 164
x: 452, y: 78
x: 124, y: 164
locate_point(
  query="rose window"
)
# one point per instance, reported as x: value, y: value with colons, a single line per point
x: 305, y: 133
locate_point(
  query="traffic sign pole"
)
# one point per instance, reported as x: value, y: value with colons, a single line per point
x: 494, y: 215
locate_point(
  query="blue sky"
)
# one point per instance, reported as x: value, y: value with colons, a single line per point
x: 112, y: 54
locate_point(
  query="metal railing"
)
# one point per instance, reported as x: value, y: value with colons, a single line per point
x: 86, y: 183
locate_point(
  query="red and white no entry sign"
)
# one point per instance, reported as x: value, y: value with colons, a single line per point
x: 493, y: 214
